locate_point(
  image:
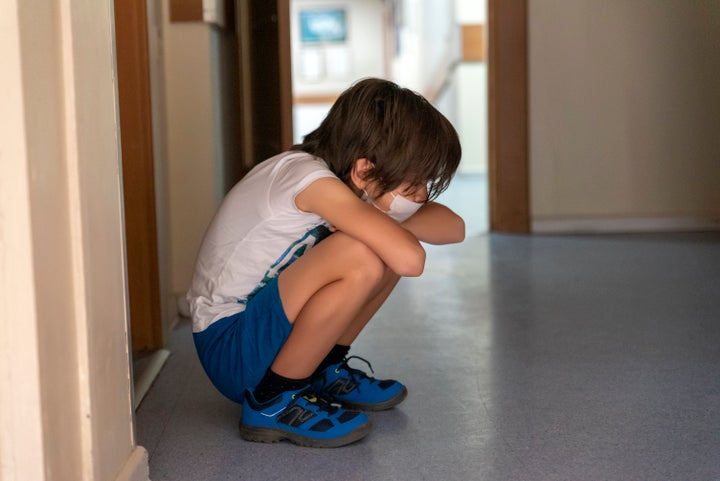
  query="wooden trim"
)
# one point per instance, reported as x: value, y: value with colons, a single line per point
x: 265, y: 79
x: 508, y: 167
x: 133, y: 67
x: 315, y: 99
x: 286, y: 101
x: 473, y: 43
x: 247, y: 147
x: 222, y: 13
x: 186, y: 10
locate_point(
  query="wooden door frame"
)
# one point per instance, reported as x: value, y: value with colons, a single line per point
x: 133, y: 70
x: 263, y: 30
x: 508, y: 164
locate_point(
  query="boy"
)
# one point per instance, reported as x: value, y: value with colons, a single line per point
x: 275, y: 310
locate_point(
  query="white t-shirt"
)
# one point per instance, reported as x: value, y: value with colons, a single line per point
x: 256, y: 233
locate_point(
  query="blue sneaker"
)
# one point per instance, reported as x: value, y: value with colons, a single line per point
x: 356, y: 390
x: 302, y: 418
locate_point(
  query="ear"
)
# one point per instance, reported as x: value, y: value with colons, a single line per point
x: 359, y: 172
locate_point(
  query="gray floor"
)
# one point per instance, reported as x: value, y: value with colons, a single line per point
x: 468, y: 196
x: 526, y: 358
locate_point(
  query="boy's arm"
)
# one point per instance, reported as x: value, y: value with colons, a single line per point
x: 334, y: 201
x: 434, y: 223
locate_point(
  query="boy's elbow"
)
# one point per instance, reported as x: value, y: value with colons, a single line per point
x: 459, y: 229
x: 453, y: 233
x: 414, y: 265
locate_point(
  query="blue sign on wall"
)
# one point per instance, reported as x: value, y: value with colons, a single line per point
x: 326, y: 25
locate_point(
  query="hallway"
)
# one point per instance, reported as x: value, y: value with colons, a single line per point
x: 526, y: 358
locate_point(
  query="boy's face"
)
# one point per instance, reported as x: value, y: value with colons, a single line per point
x: 382, y: 201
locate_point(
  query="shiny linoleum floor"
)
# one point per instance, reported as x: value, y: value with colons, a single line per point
x: 526, y: 358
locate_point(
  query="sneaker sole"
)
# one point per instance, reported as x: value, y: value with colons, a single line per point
x: 382, y: 406
x: 272, y: 435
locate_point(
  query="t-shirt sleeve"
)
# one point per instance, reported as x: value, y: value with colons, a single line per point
x: 292, y: 177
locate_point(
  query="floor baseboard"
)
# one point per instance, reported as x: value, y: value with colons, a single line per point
x: 136, y: 467
x: 624, y: 225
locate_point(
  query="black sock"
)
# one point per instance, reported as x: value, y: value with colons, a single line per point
x: 273, y: 384
x: 336, y: 355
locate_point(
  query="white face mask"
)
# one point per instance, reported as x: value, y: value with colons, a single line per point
x: 401, y: 208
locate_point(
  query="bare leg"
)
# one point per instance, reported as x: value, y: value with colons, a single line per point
x: 326, y: 294
x: 386, y: 286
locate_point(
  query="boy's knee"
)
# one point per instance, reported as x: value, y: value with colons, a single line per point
x: 366, y: 265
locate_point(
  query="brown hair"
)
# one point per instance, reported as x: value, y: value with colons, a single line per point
x: 404, y: 137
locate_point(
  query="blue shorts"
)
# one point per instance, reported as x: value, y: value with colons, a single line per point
x: 237, y: 350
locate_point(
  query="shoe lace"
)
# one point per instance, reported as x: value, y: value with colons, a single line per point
x: 357, y: 374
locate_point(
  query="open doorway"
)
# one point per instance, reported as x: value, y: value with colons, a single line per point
x: 262, y: 68
x: 434, y: 48
x: 263, y: 31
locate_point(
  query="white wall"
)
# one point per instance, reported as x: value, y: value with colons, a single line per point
x: 361, y: 56
x: 65, y: 407
x: 471, y: 121
x: 429, y: 46
x: 201, y: 97
x: 624, y: 109
x: 160, y: 158
x: 471, y: 11
x: 429, y: 49
x: 192, y: 168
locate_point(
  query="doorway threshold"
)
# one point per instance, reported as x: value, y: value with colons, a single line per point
x: 146, y: 367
